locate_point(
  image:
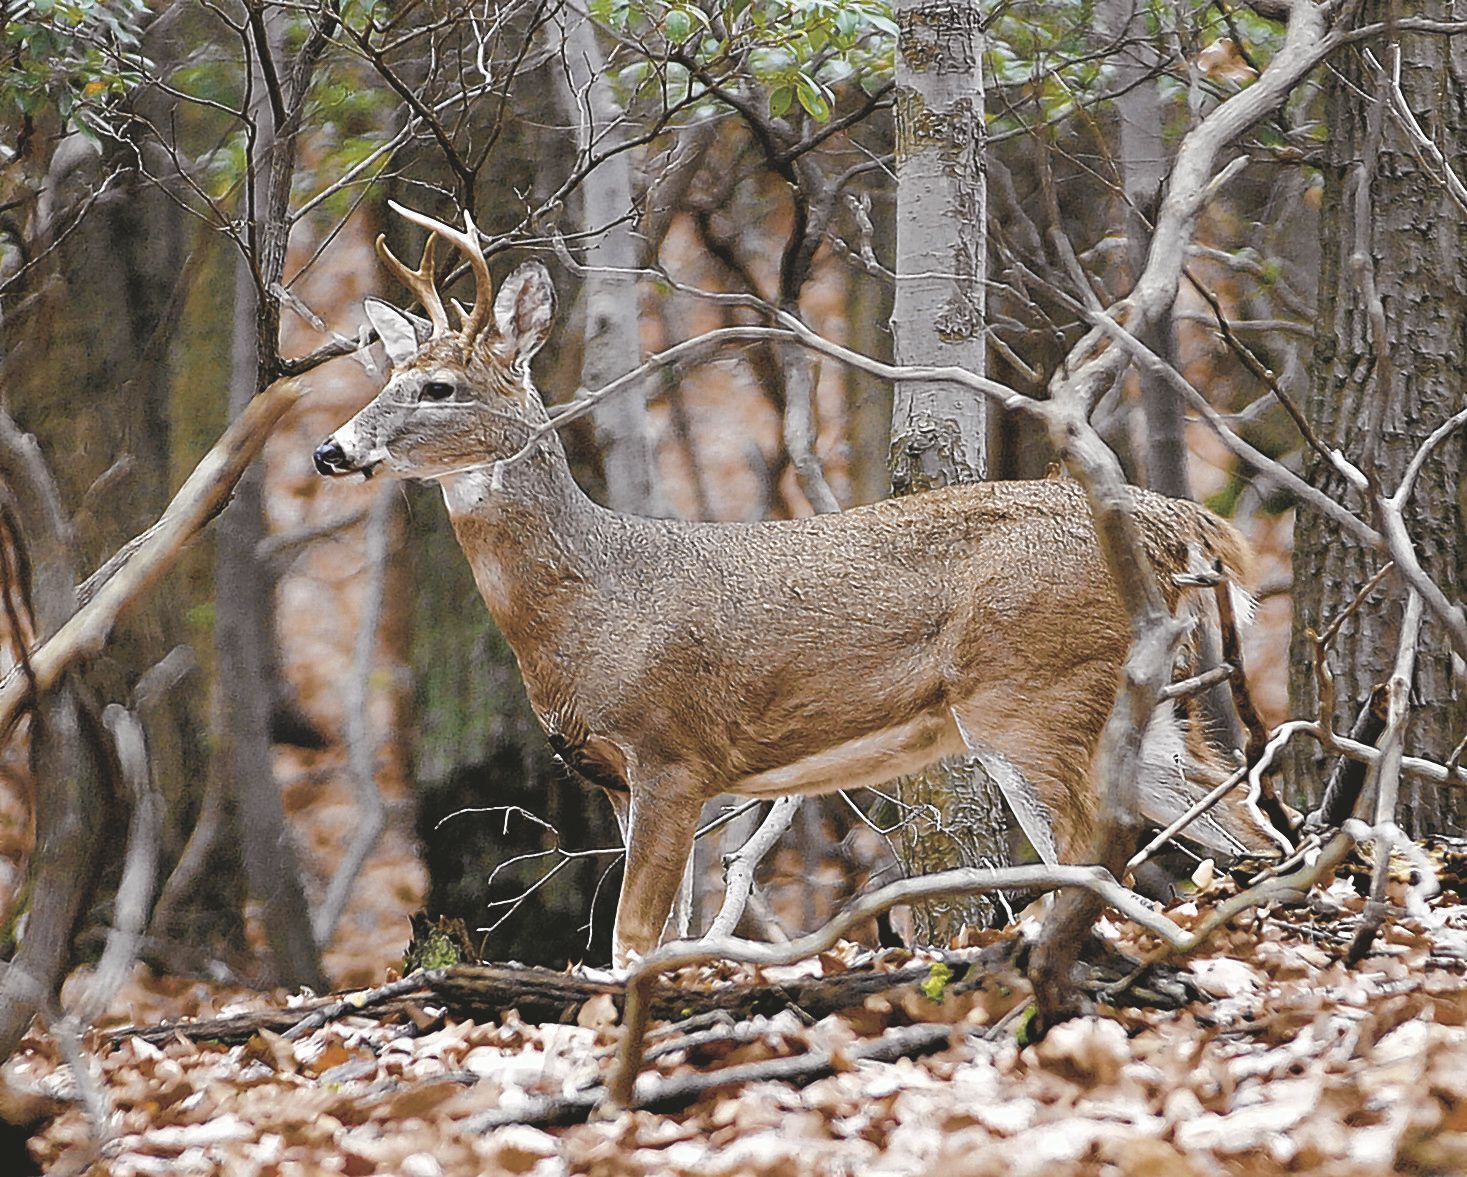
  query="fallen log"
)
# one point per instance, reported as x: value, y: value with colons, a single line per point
x: 485, y: 993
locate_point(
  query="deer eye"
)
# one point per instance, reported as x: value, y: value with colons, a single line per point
x: 436, y: 390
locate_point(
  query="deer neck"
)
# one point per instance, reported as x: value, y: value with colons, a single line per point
x: 531, y: 541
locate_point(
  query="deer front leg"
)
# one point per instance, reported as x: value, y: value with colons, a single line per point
x: 659, y: 840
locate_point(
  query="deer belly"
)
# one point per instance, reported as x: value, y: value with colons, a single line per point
x: 868, y: 759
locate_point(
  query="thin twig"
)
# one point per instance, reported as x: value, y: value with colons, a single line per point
x: 739, y: 867
x: 1388, y: 777
x: 1198, y: 683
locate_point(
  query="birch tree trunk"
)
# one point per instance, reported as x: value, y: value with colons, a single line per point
x: 938, y: 432
x: 613, y: 343
x: 1406, y: 230
x: 1142, y: 166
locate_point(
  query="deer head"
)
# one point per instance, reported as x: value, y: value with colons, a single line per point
x: 454, y: 400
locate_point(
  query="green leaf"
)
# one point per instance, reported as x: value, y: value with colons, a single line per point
x: 882, y: 24
x: 1024, y: 1030
x: 677, y: 25
x: 813, y: 98
x: 937, y: 980
x: 780, y: 101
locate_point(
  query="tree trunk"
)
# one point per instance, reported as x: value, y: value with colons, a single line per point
x: 93, y: 368
x: 244, y: 641
x: 938, y: 431
x: 1415, y: 237
x: 613, y: 344
x: 247, y: 666
x: 1142, y: 164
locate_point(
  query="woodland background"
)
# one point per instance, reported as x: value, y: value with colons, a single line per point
x: 311, y: 725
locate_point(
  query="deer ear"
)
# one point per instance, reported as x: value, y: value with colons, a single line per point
x: 524, y: 311
x: 401, y: 333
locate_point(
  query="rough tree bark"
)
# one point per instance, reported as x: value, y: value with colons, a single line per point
x: 938, y: 432
x: 88, y: 368
x: 66, y: 764
x: 1412, y: 236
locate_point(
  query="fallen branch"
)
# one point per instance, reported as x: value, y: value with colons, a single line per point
x: 328, y: 1011
x: 483, y: 993
x: 669, y: 1095
x: 967, y: 881
x: 149, y: 557
x: 1270, y: 890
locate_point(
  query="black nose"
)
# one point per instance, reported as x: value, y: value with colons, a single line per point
x: 330, y: 458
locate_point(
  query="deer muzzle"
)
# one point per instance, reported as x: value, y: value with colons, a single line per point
x: 331, y: 459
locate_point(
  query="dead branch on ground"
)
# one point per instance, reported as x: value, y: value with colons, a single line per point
x: 944, y: 884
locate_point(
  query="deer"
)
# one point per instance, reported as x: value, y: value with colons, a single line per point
x: 672, y: 661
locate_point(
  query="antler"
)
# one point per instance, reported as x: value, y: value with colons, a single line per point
x: 419, y: 281
x: 466, y: 241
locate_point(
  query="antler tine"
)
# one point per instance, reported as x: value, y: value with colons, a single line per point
x: 466, y: 241
x: 419, y: 281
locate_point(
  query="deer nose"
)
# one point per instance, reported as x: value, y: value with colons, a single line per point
x: 330, y: 458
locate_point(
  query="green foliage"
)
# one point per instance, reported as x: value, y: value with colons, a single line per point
x: 798, y: 53
x: 1024, y: 1028
x: 1044, y: 57
x: 437, y: 944
x: 938, y: 979
x: 70, y: 56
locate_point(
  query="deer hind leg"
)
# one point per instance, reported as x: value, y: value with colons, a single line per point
x: 660, y: 824
x: 1033, y: 754
x: 1035, y: 818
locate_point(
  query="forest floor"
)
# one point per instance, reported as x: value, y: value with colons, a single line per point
x: 1289, y: 1062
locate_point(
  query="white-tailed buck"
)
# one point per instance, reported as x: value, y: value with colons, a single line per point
x: 672, y: 661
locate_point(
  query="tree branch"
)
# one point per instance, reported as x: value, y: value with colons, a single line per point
x: 202, y: 496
